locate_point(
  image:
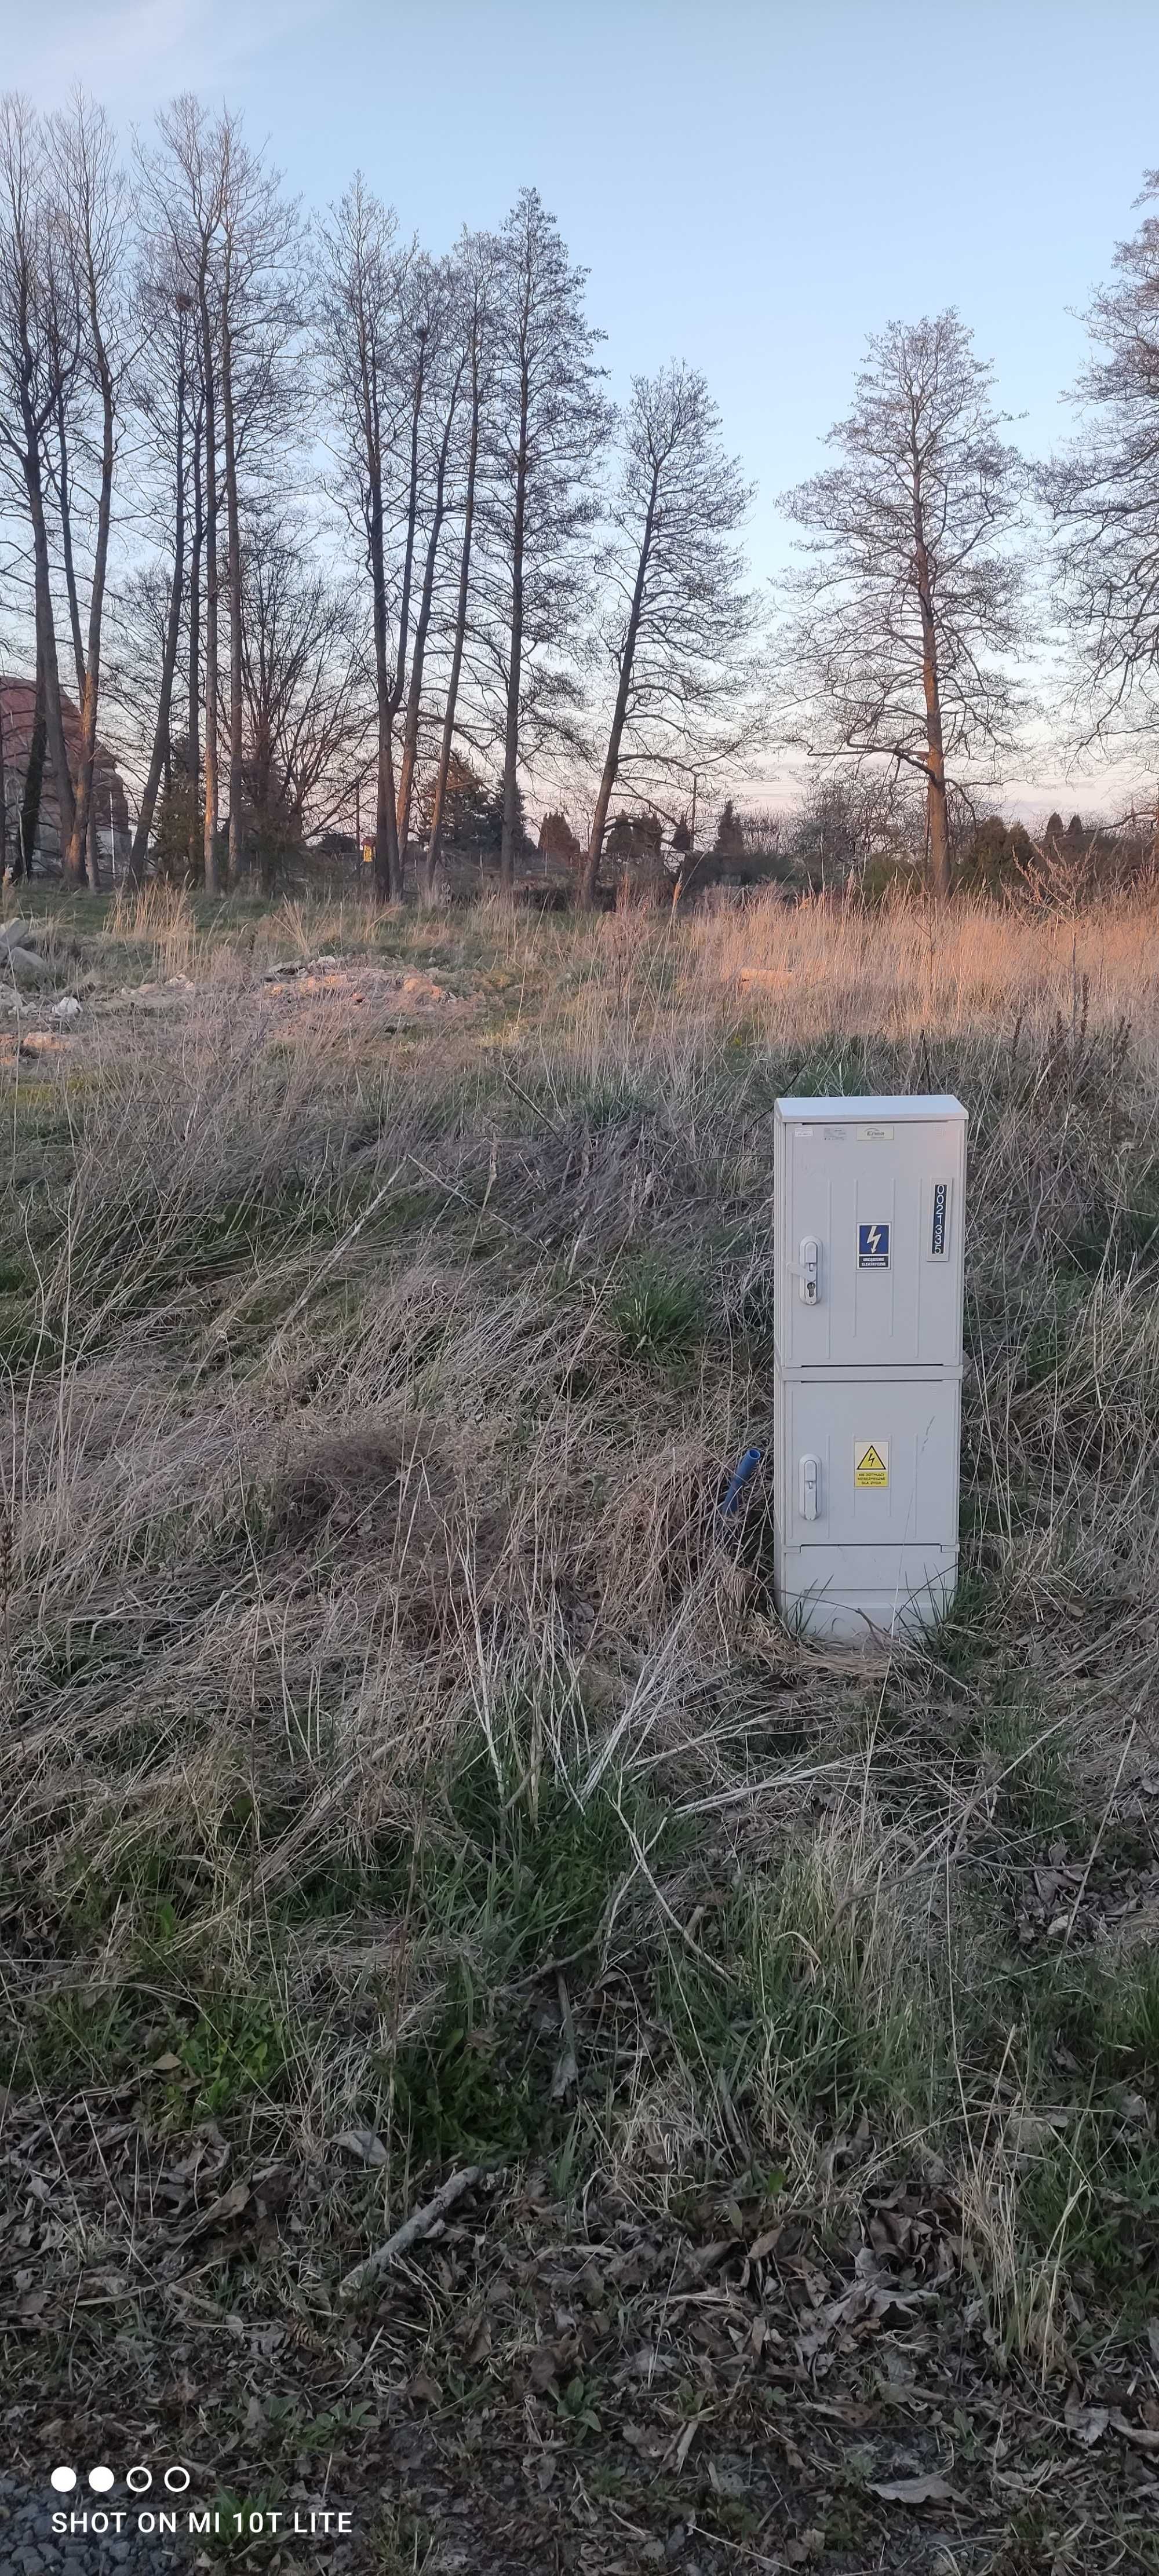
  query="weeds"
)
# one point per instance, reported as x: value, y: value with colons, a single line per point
x: 397, y: 1742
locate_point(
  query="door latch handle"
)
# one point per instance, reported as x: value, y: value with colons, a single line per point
x: 807, y: 1270
x: 810, y: 1480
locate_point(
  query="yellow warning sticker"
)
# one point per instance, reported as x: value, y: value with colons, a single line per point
x: 871, y: 1463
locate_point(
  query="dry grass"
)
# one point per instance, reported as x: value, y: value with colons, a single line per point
x: 373, y: 1656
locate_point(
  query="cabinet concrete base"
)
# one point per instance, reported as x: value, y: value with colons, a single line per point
x: 896, y: 1593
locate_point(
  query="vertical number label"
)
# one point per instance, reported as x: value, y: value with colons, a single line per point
x: 939, y: 1226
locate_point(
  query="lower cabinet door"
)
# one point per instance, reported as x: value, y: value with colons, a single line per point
x: 865, y: 1464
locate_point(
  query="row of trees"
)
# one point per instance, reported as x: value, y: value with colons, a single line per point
x: 372, y: 508
x: 313, y: 513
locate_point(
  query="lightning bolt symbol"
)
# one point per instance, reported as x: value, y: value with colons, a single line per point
x: 874, y: 1238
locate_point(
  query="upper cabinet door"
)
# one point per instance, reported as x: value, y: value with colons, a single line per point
x: 868, y: 1234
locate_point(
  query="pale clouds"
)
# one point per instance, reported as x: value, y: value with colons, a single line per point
x: 131, y: 54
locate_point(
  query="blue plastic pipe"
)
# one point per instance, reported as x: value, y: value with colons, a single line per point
x: 748, y: 1467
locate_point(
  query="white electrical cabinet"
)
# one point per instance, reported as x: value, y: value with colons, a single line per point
x: 868, y: 1219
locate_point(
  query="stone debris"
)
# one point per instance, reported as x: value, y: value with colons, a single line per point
x: 24, y: 966
x: 17, y: 934
x: 30, y: 2547
x: 355, y: 981
x: 44, y: 1042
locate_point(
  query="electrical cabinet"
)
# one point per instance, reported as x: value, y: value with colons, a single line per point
x: 868, y: 1223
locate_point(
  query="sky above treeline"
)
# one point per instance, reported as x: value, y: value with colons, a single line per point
x: 754, y: 184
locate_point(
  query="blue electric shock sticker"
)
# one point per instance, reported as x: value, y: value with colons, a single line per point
x: 873, y: 1247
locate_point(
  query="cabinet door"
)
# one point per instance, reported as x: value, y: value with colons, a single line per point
x: 878, y: 1207
x: 869, y: 1464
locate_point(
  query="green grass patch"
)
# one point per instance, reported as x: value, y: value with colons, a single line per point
x: 237, y: 2046
x: 83, y: 2036
x: 1117, y: 1233
x: 658, y: 1312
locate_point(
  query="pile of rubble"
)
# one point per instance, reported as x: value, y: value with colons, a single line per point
x: 26, y: 983
x: 355, y: 983
x: 43, y: 1015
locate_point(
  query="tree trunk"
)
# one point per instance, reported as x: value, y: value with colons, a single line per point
x: 159, y: 758
x: 591, y: 872
x: 66, y: 548
x: 385, y: 818
x: 82, y: 841
x: 385, y: 823
x: 514, y: 675
x: 936, y: 814
x: 87, y: 867
x: 410, y: 738
x: 195, y: 555
x: 46, y: 650
x: 939, y: 828
x: 233, y: 577
x: 398, y: 684
x: 29, y: 820
x: 434, y: 850
x: 209, y: 833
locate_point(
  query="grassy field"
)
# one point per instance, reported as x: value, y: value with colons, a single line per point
x: 404, y: 1773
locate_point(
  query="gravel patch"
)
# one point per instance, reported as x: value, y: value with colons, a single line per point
x: 30, y: 2547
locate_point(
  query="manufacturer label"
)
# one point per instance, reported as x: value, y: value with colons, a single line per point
x: 835, y: 1135
x: 871, y: 1465
x: 938, y: 1226
x: 873, y: 1247
x: 875, y: 1135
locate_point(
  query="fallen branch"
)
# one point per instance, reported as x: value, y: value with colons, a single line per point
x: 421, y: 2223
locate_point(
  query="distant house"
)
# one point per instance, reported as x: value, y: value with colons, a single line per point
x: 110, y: 807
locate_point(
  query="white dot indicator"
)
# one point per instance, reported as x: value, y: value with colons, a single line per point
x: 139, y: 2479
x: 100, y: 2480
x: 63, y: 2480
x: 176, y: 2480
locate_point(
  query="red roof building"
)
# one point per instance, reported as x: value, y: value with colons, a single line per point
x: 110, y: 807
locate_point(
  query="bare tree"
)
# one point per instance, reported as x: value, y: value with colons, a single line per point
x: 38, y: 360
x: 184, y: 178
x: 418, y: 293
x: 302, y: 664
x: 553, y: 421
x: 94, y: 206
x: 1104, y: 498
x: 257, y: 313
x: 677, y: 614
x: 910, y: 603
x: 476, y: 277
x: 168, y: 336
x: 371, y: 332
x: 446, y: 355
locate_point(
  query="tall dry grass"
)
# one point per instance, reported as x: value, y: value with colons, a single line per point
x: 370, y: 1636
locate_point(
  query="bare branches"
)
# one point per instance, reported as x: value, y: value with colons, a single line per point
x: 40, y: 354
x: 370, y: 360
x: 908, y: 608
x: 1103, y: 495
x: 551, y: 422
x: 677, y: 619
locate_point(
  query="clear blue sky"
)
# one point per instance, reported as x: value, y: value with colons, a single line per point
x: 754, y: 184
